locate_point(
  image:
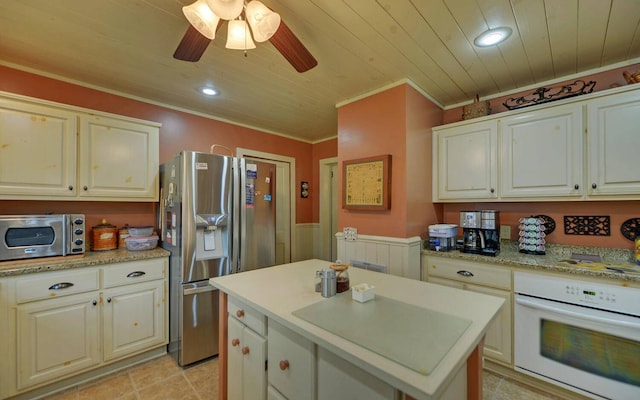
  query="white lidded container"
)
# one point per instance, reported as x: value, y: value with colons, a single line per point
x: 443, y: 237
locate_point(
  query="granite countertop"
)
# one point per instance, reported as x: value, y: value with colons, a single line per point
x: 88, y: 259
x: 551, y: 261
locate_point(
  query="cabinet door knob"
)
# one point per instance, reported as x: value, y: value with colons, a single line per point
x: 465, y: 273
x: 593, y: 186
x: 235, y: 342
x: 240, y: 313
x: 70, y: 187
x: 576, y: 186
x: 284, y: 365
x: 492, y: 190
x: 108, y: 299
x: 245, y: 350
x: 95, y: 302
x: 85, y: 188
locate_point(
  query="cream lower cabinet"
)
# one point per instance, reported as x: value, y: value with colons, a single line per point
x: 70, y: 322
x: 57, y: 337
x: 247, y: 353
x: 339, y: 379
x: 134, y: 309
x: 55, y: 152
x: 486, y: 279
x: 291, y: 363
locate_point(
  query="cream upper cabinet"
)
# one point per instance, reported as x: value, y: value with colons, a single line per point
x: 118, y: 159
x: 37, y: 150
x: 541, y: 153
x: 465, y: 164
x: 613, y: 143
x: 582, y: 148
x: 50, y: 151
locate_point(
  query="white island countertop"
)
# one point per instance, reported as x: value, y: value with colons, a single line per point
x: 279, y: 291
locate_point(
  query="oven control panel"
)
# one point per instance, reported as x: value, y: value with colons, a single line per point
x: 574, y: 291
x: 591, y: 294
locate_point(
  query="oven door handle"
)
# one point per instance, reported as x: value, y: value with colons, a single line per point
x: 554, y: 309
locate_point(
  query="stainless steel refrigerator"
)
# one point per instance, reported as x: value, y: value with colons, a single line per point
x: 216, y: 217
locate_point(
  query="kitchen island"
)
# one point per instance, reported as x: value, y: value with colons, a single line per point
x: 281, y: 293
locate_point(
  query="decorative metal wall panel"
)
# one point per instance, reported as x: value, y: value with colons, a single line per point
x: 630, y: 228
x: 587, y: 225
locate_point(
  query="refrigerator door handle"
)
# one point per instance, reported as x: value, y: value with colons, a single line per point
x: 199, y: 289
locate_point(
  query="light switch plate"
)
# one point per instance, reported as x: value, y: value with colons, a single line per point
x: 350, y: 233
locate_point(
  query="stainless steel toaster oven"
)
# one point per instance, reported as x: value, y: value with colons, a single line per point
x: 31, y: 236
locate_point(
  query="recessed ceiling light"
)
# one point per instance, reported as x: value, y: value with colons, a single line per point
x: 493, y: 36
x: 209, y: 91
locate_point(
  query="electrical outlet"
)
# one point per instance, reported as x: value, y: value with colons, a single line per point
x: 505, y: 232
x: 350, y: 233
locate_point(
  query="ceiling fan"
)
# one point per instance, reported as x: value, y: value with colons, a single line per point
x: 207, y: 16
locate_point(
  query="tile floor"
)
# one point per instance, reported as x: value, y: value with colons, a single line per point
x: 162, y: 379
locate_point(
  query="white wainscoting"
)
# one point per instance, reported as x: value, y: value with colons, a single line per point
x: 306, y: 238
x: 401, y: 256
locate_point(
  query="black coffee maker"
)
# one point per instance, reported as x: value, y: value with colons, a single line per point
x: 480, y: 232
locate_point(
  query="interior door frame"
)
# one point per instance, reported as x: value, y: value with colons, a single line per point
x: 325, y: 205
x: 248, y: 153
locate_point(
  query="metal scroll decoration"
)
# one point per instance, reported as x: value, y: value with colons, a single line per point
x: 545, y: 95
x: 630, y: 228
x: 587, y: 225
x: 549, y: 223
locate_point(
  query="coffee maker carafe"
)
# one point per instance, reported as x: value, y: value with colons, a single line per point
x: 480, y: 232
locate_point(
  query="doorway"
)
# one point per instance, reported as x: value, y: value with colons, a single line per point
x: 285, y: 206
x: 329, y: 208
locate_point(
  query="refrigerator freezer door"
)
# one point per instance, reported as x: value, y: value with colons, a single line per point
x: 199, y: 322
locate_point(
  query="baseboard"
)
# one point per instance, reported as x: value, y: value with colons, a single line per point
x: 76, y: 380
x: 533, y: 383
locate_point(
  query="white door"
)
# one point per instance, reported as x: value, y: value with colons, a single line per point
x: 328, y: 190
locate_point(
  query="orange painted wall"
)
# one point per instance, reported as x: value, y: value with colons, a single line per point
x: 179, y: 131
x: 396, y: 122
x: 510, y: 213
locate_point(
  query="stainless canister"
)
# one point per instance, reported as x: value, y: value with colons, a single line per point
x: 327, y: 282
x: 489, y: 219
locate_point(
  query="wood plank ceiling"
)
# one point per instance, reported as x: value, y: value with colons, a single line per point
x: 361, y: 45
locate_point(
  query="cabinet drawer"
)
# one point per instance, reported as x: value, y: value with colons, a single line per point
x: 55, y: 284
x: 247, y: 315
x: 470, y: 272
x: 291, y: 363
x: 133, y: 272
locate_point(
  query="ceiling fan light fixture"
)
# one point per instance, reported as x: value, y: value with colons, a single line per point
x: 492, y: 37
x: 264, y: 22
x: 201, y: 17
x: 238, y: 36
x: 226, y: 9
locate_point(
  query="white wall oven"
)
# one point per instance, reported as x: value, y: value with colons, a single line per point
x: 580, y: 335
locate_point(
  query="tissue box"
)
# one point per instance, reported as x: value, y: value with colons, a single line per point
x: 363, y: 292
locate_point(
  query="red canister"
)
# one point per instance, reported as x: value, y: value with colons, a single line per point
x: 104, y: 237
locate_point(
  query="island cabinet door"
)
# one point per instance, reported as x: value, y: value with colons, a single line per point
x: 339, y: 379
x: 291, y: 363
x: 247, y: 355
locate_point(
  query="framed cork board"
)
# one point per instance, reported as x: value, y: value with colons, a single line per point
x: 367, y: 183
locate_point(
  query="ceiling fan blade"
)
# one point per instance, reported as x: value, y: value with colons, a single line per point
x: 292, y: 49
x: 192, y: 45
